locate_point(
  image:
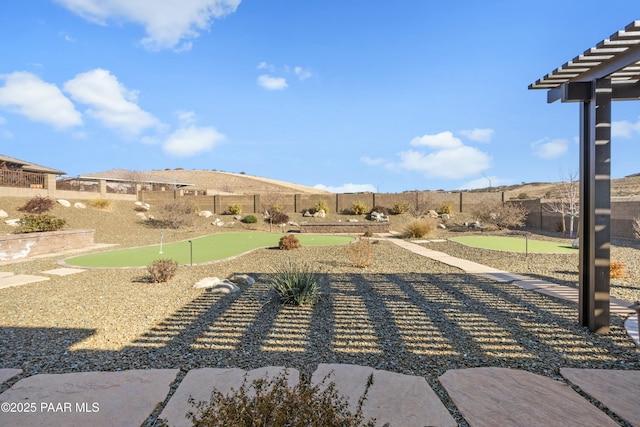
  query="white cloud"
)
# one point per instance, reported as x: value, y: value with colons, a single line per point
x: 266, y: 66
x: 550, y: 148
x: 624, y: 128
x: 442, y: 140
x: 372, y: 162
x: 26, y: 94
x: 302, y: 73
x: 190, y: 141
x: 169, y: 24
x: 110, y: 102
x: 478, y: 135
x: 454, y: 163
x: 272, y: 83
x: 348, y: 188
x: 186, y: 117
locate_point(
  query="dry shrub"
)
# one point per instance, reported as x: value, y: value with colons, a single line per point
x: 274, y: 403
x: 100, y: 203
x: 162, y: 270
x: 501, y: 215
x: 360, y: 253
x: 617, y: 270
x: 419, y: 228
x: 289, y: 242
x: 37, y: 205
x: 175, y: 214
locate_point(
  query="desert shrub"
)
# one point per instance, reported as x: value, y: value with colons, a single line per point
x: 104, y: 203
x: 523, y: 196
x: 617, y: 270
x: 235, y: 209
x: 501, y: 215
x: 360, y: 253
x: 37, y: 205
x: 40, y: 223
x: 418, y: 210
x: 295, y: 283
x: 445, y: 208
x: 175, y: 214
x: 273, y: 403
x: 400, y: 208
x: 322, y: 205
x: 419, y: 228
x: 278, y: 218
x: 289, y: 242
x: 250, y: 219
x: 162, y: 270
x: 636, y: 227
x: 358, y: 208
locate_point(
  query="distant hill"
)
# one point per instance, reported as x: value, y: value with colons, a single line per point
x: 234, y: 183
x: 620, y: 187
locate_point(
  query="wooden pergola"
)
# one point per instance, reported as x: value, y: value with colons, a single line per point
x: 610, y: 71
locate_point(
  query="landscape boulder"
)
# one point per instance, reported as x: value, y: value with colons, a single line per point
x: 576, y: 243
x: 79, y: 205
x: 13, y: 222
x: 205, y: 214
x: 3, y: 214
x: 320, y: 214
x: 64, y: 203
x: 242, y: 279
x: 377, y: 216
x: 215, y: 285
x: 432, y: 214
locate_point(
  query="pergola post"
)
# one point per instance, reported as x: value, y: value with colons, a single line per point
x: 595, y: 207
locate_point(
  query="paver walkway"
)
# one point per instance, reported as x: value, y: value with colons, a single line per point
x: 485, y: 396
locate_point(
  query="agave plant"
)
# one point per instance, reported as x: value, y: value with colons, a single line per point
x: 295, y: 283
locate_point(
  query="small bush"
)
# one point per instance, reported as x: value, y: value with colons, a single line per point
x: 523, y: 196
x: 40, y: 223
x: 278, y: 218
x: 37, y: 205
x: 360, y: 253
x: 273, y: 403
x: 359, y: 208
x: 162, y: 270
x: 175, y: 214
x: 501, y: 215
x: 234, y: 209
x: 419, y: 228
x: 400, y: 208
x: 103, y: 203
x: 617, y: 270
x: 250, y: 219
x: 445, y: 208
x: 289, y: 242
x: 295, y: 284
x: 322, y: 205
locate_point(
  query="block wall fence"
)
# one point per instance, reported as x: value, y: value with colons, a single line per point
x: 623, y: 212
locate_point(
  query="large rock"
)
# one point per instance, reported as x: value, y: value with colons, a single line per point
x: 205, y: 214
x: 242, y: 279
x: 13, y: 222
x: 377, y: 216
x: 320, y: 214
x: 3, y: 214
x: 215, y: 285
x: 79, y: 205
x: 64, y: 203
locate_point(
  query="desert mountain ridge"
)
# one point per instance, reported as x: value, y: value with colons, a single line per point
x: 239, y: 183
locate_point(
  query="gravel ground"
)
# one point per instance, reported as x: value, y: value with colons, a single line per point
x: 404, y: 313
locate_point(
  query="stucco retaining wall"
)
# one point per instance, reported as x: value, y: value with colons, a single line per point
x: 25, y: 245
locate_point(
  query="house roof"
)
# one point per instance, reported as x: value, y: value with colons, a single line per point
x: 28, y: 166
x: 124, y: 175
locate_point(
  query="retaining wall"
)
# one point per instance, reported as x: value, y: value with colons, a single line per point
x: 25, y: 245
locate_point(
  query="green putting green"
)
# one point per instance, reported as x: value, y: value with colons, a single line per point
x: 515, y: 244
x: 201, y: 249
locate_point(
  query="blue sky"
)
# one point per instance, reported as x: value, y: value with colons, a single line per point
x: 347, y: 95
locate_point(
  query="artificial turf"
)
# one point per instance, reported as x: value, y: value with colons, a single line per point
x: 198, y: 250
x: 515, y: 244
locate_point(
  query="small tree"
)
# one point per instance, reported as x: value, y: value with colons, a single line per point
x: 566, y: 202
x: 175, y: 214
x: 501, y: 215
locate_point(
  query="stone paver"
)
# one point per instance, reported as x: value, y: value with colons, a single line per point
x: 400, y: 400
x: 94, y: 399
x: 7, y: 373
x: 508, y: 397
x: 64, y: 271
x: 618, y: 390
x: 19, y: 280
x: 199, y: 383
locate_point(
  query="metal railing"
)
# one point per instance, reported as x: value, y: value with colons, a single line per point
x: 21, y: 179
